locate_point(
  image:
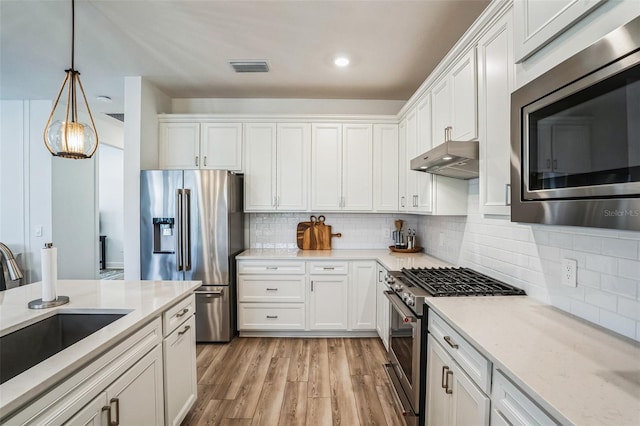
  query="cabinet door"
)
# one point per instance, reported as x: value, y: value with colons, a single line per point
x: 357, y: 167
x: 293, y: 160
x: 495, y: 82
x: 412, y: 176
x: 221, y: 146
x: 328, y: 297
x: 179, y: 145
x: 385, y: 167
x: 424, y: 181
x: 136, y: 397
x: 180, y: 381
x: 469, y: 406
x: 260, y: 167
x: 403, y: 167
x: 326, y: 166
x: 463, y: 98
x: 438, y: 401
x: 362, y: 304
x: 440, y: 110
x: 92, y: 414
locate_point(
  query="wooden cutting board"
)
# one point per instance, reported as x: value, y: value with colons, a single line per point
x: 314, y: 235
x: 303, y: 227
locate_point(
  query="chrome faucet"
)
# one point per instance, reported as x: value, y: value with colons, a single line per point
x: 15, y: 273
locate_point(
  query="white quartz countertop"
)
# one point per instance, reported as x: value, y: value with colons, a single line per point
x: 579, y: 373
x: 391, y: 261
x: 141, y: 300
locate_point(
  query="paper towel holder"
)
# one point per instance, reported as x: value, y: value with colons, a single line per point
x: 40, y: 304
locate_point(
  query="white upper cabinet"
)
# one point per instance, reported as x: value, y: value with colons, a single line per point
x: 418, y: 185
x: 276, y: 166
x: 221, y: 146
x: 539, y: 22
x: 454, y: 101
x: 179, y: 145
x: 495, y: 83
x: 341, y: 168
x: 404, y: 203
x: 188, y: 145
x: 385, y: 167
x: 292, y: 165
x: 260, y: 167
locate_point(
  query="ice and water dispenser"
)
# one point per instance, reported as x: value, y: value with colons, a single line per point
x: 163, y: 235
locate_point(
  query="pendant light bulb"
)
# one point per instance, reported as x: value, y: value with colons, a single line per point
x: 67, y: 137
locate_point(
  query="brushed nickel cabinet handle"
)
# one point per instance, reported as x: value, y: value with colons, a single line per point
x: 311, y: 285
x: 272, y: 317
x: 328, y: 268
x: 272, y: 289
x: 205, y: 161
x: 108, y: 410
x: 180, y: 333
x: 182, y: 312
x: 443, y: 383
x: 451, y: 343
x: 196, y: 161
x: 272, y: 268
x: 116, y: 422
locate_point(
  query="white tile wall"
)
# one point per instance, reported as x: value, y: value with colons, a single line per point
x: 359, y: 231
x: 529, y: 256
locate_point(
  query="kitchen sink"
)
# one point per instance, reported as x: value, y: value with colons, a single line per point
x: 31, y: 345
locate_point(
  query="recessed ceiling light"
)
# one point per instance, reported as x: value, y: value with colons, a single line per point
x: 341, y: 61
x: 105, y: 99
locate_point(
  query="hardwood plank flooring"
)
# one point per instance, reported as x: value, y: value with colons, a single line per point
x: 293, y: 382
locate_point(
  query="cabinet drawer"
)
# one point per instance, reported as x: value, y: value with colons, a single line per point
x: 512, y: 406
x: 178, y: 314
x: 329, y: 268
x: 270, y: 267
x: 471, y: 361
x: 271, y: 316
x: 271, y: 288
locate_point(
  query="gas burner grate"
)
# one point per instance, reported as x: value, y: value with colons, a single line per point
x: 458, y: 282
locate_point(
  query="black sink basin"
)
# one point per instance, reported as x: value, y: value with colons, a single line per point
x: 31, y: 345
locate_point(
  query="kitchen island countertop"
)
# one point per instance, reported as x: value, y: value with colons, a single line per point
x: 140, y: 300
x: 391, y: 261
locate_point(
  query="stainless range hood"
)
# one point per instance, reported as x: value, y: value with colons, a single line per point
x: 456, y: 159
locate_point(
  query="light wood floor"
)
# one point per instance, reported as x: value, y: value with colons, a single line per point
x: 286, y: 381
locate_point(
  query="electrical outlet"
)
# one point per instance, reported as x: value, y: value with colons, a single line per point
x: 569, y: 272
x: 386, y: 233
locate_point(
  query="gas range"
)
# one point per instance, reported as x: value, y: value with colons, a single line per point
x: 414, y: 285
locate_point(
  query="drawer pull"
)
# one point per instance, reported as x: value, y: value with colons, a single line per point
x: 116, y: 422
x: 182, y: 312
x: 328, y: 268
x: 272, y: 289
x: 451, y: 343
x: 272, y: 268
x: 180, y: 333
x: 108, y: 410
x: 272, y: 317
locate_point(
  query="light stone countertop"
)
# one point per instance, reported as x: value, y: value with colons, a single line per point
x: 578, y: 372
x: 144, y: 300
x: 391, y: 261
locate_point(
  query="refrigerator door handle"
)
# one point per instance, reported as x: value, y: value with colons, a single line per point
x: 179, y: 200
x: 186, y: 232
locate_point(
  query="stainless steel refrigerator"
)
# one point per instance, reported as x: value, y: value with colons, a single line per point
x: 192, y: 228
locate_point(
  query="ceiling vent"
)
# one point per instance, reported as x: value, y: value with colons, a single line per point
x: 249, y: 66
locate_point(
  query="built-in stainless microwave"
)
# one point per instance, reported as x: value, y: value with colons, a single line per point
x: 575, y: 138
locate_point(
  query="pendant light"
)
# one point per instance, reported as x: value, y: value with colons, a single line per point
x: 68, y: 137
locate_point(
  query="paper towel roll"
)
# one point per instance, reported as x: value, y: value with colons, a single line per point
x: 49, y: 256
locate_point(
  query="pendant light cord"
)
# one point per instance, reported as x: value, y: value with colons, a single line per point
x: 73, y: 30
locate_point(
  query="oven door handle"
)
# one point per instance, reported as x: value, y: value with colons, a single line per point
x: 407, y: 315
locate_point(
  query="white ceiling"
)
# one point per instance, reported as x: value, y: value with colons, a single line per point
x: 182, y: 46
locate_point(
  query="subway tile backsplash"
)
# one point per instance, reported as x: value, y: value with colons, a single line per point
x: 527, y: 256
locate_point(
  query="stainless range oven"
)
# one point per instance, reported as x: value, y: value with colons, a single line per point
x: 407, y: 294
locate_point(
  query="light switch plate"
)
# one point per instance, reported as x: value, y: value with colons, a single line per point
x: 569, y: 271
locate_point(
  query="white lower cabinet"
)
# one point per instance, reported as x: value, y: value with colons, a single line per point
x: 362, y: 303
x: 511, y: 406
x: 93, y: 414
x: 452, y: 397
x: 382, y: 307
x: 180, y: 376
x: 328, y: 308
x: 136, y: 397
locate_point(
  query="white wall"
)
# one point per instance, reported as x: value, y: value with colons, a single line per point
x: 142, y: 104
x: 284, y: 106
x: 25, y: 182
x: 111, y: 203
x: 529, y: 257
